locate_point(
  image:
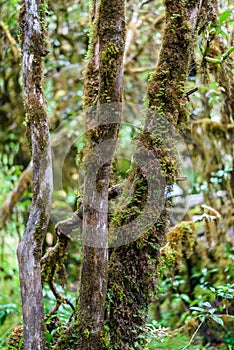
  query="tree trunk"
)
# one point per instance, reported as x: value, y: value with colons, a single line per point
x: 102, y: 100
x: 107, y: 61
x: 32, y: 23
x: 132, y: 269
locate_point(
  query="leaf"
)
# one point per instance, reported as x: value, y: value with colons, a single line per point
x: 222, y: 32
x: 185, y: 297
x: 228, y: 52
x: 224, y: 16
x: 227, y: 296
x: 207, y: 304
x: 195, y: 308
x: 212, y: 311
x: 217, y: 319
x: 21, y: 342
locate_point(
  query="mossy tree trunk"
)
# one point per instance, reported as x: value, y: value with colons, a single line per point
x: 33, y: 40
x: 103, y: 90
x: 132, y: 268
x: 102, y: 101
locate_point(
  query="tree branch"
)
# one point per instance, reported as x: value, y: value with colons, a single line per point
x: 13, y: 45
x: 23, y: 182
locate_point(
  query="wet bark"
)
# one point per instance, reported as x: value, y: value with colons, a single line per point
x: 32, y: 22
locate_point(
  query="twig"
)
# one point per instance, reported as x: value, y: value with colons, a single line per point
x: 144, y: 3
x: 193, y: 336
x: 7, y: 207
x: 140, y: 69
x: 212, y: 210
x: 190, y: 92
x: 60, y: 299
x: 13, y: 45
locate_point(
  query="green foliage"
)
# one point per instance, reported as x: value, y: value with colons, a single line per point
x: 172, y: 343
x: 202, y: 287
x: 6, y: 310
x: 9, y: 14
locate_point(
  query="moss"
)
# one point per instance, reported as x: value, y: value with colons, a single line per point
x: 15, y: 340
x: 166, y: 89
x: 68, y: 339
x: 181, y: 240
x: 101, y: 77
x: 52, y: 262
x: 105, y: 338
x: 133, y: 267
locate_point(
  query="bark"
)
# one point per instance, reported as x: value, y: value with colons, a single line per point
x: 102, y: 97
x: 132, y: 270
x: 32, y: 24
x: 107, y: 61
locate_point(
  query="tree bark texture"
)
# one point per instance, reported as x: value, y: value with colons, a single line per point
x: 102, y: 102
x: 132, y: 268
x: 104, y: 71
x: 33, y: 39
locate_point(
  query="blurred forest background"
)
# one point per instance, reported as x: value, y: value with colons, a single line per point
x: 195, y: 299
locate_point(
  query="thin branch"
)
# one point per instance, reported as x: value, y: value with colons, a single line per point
x: 23, y: 182
x: 212, y: 210
x: 59, y: 298
x: 13, y: 44
x: 193, y: 336
x: 140, y: 69
x: 145, y: 3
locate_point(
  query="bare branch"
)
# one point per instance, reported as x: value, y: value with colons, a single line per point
x: 23, y: 182
x: 13, y: 45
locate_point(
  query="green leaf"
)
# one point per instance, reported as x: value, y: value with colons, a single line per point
x: 195, y: 308
x: 224, y: 16
x: 228, y: 52
x: 207, y: 304
x: 21, y: 343
x: 227, y: 296
x: 222, y: 32
x: 212, y: 310
x: 217, y: 319
x: 185, y: 297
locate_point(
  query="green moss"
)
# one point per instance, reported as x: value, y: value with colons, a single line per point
x: 86, y: 333
x: 104, y: 338
x: 68, y: 339
x: 133, y: 267
x: 180, y: 246
x: 52, y: 262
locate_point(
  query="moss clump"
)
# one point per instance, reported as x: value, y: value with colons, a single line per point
x: 15, y: 339
x: 52, y: 261
x: 69, y: 338
x: 181, y: 240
